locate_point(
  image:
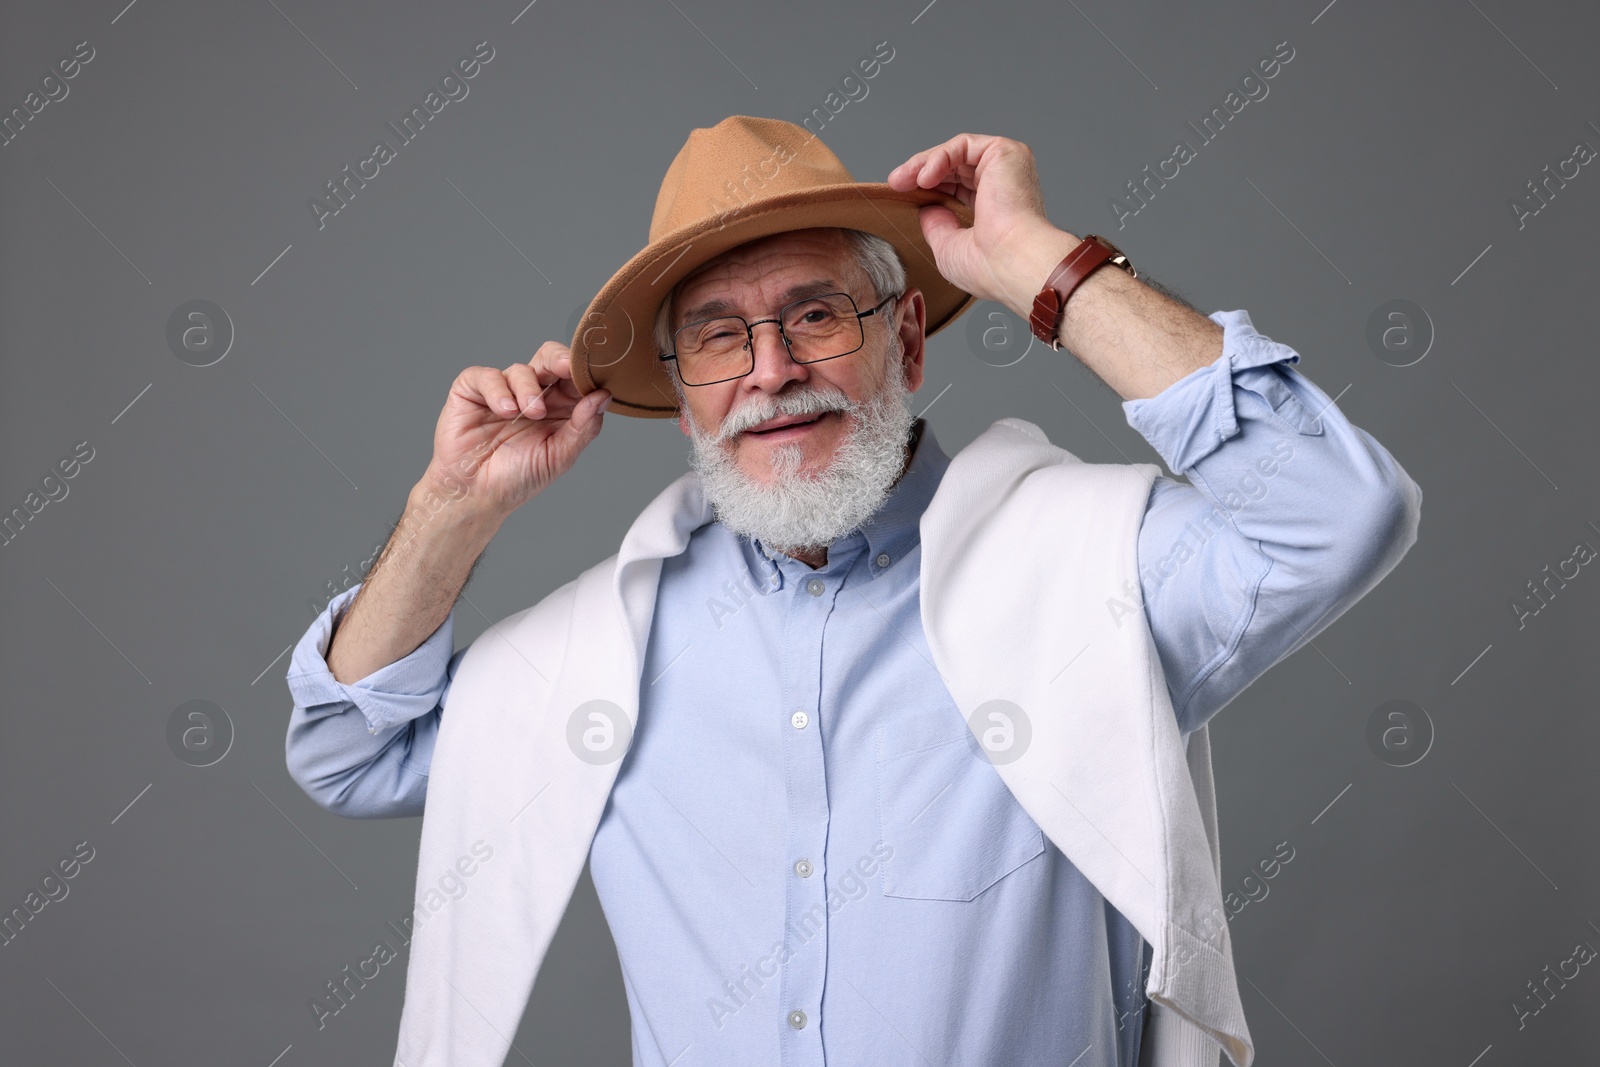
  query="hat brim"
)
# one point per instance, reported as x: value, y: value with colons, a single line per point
x: 614, y: 347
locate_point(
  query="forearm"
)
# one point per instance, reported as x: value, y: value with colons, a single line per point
x: 413, y: 586
x: 1137, y: 340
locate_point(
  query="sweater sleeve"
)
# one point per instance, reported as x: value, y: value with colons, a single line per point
x: 363, y: 749
x: 1291, y: 515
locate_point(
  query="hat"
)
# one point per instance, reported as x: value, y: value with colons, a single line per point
x: 742, y: 179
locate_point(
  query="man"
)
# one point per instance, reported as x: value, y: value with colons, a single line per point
x: 859, y: 739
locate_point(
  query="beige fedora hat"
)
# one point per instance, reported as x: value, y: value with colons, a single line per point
x: 742, y: 179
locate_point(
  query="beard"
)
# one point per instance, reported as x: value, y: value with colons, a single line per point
x: 804, y: 511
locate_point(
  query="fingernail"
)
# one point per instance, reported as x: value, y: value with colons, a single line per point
x: 605, y: 403
x: 507, y: 404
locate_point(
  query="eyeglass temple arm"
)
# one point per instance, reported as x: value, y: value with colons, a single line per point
x: 879, y: 307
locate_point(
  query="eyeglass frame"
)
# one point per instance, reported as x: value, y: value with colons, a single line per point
x: 750, y: 334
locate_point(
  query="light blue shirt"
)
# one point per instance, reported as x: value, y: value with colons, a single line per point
x: 801, y: 861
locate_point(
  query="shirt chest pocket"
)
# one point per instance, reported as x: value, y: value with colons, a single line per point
x: 952, y: 822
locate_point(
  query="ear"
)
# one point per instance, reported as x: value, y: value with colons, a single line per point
x: 911, y: 312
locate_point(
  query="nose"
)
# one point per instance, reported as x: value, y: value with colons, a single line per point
x: 773, y: 368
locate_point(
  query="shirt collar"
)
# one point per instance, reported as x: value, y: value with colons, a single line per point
x: 887, y: 537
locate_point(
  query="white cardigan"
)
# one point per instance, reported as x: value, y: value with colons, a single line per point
x: 1023, y: 545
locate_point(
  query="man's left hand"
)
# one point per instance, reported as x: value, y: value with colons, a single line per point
x: 1011, y: 246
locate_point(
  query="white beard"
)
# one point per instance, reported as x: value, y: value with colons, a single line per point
x: 804, y: 512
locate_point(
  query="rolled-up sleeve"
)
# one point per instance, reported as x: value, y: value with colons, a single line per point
x: 1292, y: 515
x: 363, y: 749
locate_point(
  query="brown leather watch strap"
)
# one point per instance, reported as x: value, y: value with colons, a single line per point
x: 1090, y: 254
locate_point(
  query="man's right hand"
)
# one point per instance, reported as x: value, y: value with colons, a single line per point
x: 504, y: 436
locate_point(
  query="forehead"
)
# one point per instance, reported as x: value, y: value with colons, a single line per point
x: 758, y: 272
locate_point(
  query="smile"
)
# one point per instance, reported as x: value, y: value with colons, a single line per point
x: 794, y: 429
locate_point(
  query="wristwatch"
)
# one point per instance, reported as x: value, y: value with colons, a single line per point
x: 1092, y: 253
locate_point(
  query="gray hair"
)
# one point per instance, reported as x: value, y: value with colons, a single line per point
x: 876, y: 257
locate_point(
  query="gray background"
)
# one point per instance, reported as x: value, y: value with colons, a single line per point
x: 1420, y: 899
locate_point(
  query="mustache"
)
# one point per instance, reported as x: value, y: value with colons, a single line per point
x: 759, y: 410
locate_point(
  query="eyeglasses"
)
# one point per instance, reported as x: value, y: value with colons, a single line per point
x: 813, y: 329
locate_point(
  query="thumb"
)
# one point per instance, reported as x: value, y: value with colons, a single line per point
x: 584, y: 424
x: 939, y: 228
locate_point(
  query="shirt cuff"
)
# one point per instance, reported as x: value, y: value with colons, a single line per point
x: 389, y: 696
x: 1190, y: 418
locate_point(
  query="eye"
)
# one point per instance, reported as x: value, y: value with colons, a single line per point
x: 718, y: 334
x: 814, y: 314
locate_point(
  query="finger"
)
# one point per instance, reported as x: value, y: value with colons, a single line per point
x: 552, y: 360
x: 905, y: 175
x: 925, y: 168
x: 532, y: 399
x: 486, y: 387
x: 962, y: 160
x: 558, y: 373
x: 561, y: 365
x: 959, y: 191
x: 956, y: 163
x: 936, y: 168
x: 550, y: 366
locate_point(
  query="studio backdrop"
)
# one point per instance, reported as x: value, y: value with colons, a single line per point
x: 229, y: 321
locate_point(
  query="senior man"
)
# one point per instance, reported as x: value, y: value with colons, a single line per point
x: 877, y: 754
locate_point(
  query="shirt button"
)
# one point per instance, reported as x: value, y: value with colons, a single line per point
x: 803, y: 868
x: 797, y: 1019
x: 883, y: 559
x: 799, y: 719
x: 816, y: 586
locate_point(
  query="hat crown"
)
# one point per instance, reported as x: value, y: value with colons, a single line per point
x: 721, y: 170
